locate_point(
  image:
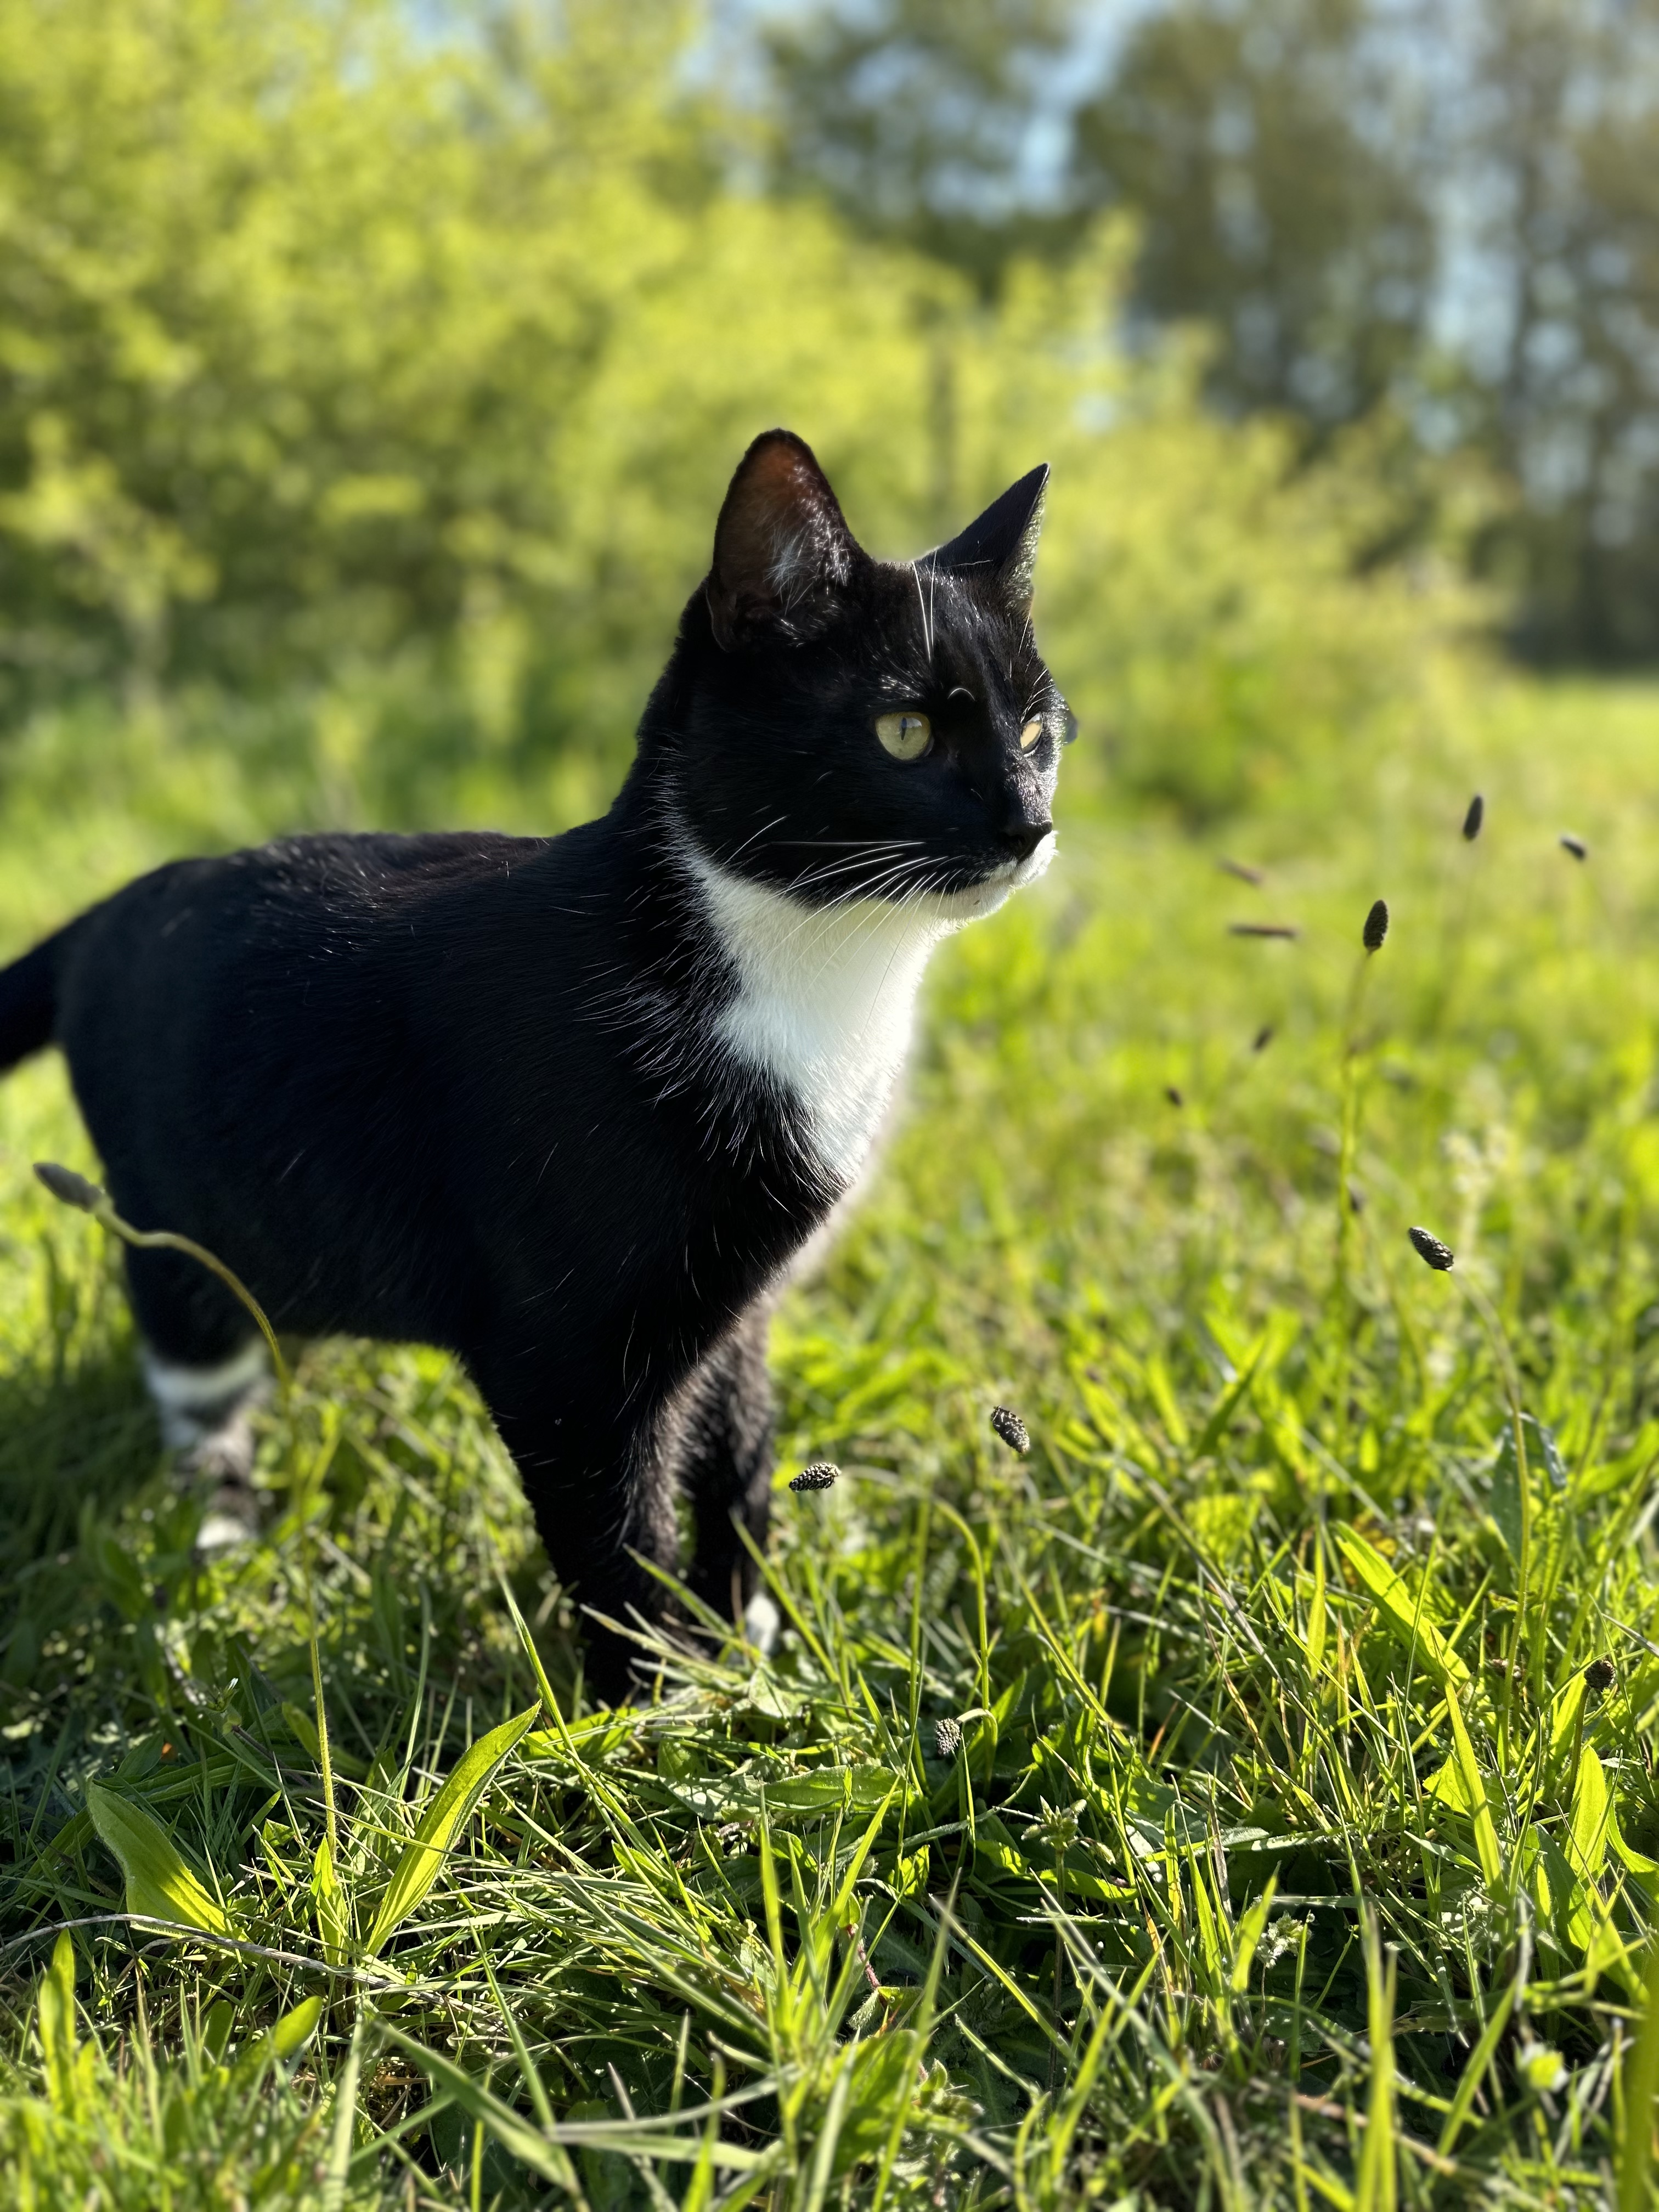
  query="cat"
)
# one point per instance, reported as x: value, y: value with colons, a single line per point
x: 569, y: 1107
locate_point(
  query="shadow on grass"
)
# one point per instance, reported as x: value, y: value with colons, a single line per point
x: 77, y: 1444
x: 70, y: 1437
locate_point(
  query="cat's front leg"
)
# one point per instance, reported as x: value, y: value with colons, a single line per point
x: 603, y: 1502
x: 718, y: 1439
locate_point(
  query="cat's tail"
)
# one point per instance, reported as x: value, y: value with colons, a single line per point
x: 28, y: 1000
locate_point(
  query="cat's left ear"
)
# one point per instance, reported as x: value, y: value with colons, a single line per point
x: 1001, y: 543
x: 782, y: 551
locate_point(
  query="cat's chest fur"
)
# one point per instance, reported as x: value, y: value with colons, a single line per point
x: 824, y: 1003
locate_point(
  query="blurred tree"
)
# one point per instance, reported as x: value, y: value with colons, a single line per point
x: 916, y: 116
x: 1441, y: 224
x: 1559, y: 164
x: 1273, y: 158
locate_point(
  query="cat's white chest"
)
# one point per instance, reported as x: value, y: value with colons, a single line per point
x: 825, y: 1001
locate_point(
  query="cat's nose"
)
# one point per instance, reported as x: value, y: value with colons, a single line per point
x: 1023, y: 838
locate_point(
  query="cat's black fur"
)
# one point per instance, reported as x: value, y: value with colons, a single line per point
x: 469, y: 1089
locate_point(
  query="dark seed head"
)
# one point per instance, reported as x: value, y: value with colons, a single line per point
x: 947, y: 1738
x: 1173, y: 1095
x: 1430, y: 1250
x: 1576, y: 846
x: 1263, y: 1037
x: 1600, y: 1674
x: 1010, y: 1427
x: 1473, y: 818
x: 1377, y: 925
x: 1237, y: 868
x: 820, y: 1475
x: 73, y: 1189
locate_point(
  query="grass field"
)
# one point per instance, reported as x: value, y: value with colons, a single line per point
x: 1212, y: 1808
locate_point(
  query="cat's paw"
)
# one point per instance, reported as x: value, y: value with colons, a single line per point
x: 231, y: 1518
x: 224, y: 1454
x: 761, y: 1622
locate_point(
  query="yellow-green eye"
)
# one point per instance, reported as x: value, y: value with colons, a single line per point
x: 906, y: 736
x: 1031, y: 733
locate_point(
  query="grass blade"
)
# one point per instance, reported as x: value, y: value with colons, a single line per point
x: 1378, y: 2166
x: 1404, y: 1610
x: 329, y: 1904
x: 1641, y: 2087
x: 1475, y: 2072
x: 159, y: 1883
x: 423, y: 1855
x: 286, y: 2037
x: 55, y: 2019
x: 345, y: 2120
x: 1474, y: 1786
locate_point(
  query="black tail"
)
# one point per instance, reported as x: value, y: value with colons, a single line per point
x: 29, y: 1001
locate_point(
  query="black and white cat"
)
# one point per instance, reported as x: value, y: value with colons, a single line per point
x: 570, y: 1106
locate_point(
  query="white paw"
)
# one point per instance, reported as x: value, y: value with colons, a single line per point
x: 223, y: 1531
x: 761, y: 1623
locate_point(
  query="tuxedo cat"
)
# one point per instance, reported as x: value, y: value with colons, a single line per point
x: 570, y: 1106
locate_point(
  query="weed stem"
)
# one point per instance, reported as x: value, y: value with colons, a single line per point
x: 1349, y: 1146
x: 71, y: 1189
x: 1497, y: 1342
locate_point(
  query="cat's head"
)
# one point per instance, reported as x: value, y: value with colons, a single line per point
x: 844, y: 727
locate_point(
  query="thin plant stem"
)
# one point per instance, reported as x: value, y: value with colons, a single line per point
x: 1350, y: 1142
x: 319, y: 1467
x: 71, y: 1189
x: 1497, y: 1342
x: 330, y: 1817
x: 1467, y: 861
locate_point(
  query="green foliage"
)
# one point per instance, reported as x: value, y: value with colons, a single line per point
x: 422, y: 1860
x: 191, y: 2130
x: 299, y: 310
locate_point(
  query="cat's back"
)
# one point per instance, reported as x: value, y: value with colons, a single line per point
x: 285, y: 1030
x: 306, y: 899
x: 291, y: 952
x: 322, y: 882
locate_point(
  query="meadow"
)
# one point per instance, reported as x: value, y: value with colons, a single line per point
x: 1246, y: 1798
x: 1242, y: 1799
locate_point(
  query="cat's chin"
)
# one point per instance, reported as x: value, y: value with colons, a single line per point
x: 953, y: 909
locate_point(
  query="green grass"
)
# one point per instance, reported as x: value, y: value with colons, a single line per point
x: 1279, y: 1854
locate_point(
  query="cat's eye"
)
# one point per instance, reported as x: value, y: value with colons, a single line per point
x: 1031, y: 733
x: 906, y: 736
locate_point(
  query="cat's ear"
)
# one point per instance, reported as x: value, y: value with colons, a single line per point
x: 782, y: 550
x: 1001, y: 543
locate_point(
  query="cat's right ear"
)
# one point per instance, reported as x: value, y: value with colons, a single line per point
x: 1001, y: 543
x: 782, y: 551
